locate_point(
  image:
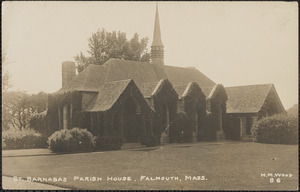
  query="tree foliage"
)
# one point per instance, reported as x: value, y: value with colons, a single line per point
x: 293, y: 110
x: 104, y: 45
x: 18, y: 107
x: 276, y: 129
x: 6, y: 83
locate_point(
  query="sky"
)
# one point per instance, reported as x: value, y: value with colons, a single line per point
x: 233, y: 43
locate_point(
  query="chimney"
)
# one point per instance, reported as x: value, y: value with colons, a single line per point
x: 68, y: 72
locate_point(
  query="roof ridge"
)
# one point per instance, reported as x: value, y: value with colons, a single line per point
x: 194, y: 68
x: 187, y: 89
x: 119, y: 81
x: 212, y: 91
x: 126, y: 60
x: 263, y: 84
x: 157, y: 86
x: 185, y: 84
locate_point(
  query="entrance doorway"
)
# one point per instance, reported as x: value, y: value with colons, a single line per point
x: 131, y: 121
x: 248, y: 125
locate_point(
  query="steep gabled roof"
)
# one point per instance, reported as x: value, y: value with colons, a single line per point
x: 183, y: 90
x: 107, y: 96
x: 180, y: 89
x: 95, y: 76
x: 139, y: 72
x: 148, y: 89
x: 247, y: 99
x: 207, y: 90
x: 182, y: 76
x: 164, y: 84
x: 145, y: 76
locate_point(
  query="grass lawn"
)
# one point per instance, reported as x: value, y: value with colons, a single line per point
x: 225, y: 165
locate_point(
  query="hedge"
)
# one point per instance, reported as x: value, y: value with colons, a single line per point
x: 73, y: 140
x: 25, y: 139
x: 276, y: 129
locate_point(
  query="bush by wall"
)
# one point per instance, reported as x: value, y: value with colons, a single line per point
x: 73, y: 140
x: 276, y: 129
x: 25, y: 139
x: 106, y: 143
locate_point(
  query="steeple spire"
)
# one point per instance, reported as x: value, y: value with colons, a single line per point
x: 157, y: 47
x: 156, y: 35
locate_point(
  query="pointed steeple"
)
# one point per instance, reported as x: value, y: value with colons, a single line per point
x: 156, y: 35
x: 157, y: 47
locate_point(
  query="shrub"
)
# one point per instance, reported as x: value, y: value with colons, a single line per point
x: 276, y: 129
x: 74, y: 140
x: 25, y: 139
x: 106, y: 143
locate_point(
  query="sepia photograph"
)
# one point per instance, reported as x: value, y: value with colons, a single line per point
x: 153, y: 95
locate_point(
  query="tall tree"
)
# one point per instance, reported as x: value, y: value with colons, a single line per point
x: 19, y: 107
x: 104, y: 45
x: 6, y: 83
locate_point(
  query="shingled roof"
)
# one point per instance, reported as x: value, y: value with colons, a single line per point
x: 91, y: 79
x: 139, y: 72
x: 145, y: 76
x: 180, y: 89
x: 247, y: 99
x: 207, y: 90
x: 107, y: 96
x: 183, y: 76
x: 148, y: 89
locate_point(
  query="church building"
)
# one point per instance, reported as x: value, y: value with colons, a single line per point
x: 148, y: 103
